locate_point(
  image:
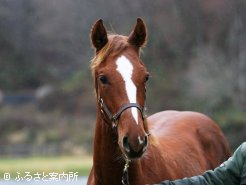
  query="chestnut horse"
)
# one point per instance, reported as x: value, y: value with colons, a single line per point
x: 130, y: 148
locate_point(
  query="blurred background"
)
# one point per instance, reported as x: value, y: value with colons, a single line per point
x: 196, y: 54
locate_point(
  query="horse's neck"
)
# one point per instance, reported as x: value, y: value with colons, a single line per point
x: 108, y: 164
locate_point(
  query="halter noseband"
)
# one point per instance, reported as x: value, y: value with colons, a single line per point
x: 116, y: 116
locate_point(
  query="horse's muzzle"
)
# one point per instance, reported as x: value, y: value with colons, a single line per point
x: 135, y: 151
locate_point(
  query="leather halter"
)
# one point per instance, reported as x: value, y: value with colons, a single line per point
x: 114, y: 117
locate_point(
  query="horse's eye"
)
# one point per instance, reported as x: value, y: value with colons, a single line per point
x: 103, y: 79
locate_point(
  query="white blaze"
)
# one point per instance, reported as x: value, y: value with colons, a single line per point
x: 125, y: 68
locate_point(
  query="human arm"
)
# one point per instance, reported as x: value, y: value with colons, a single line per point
x: 231, y: 172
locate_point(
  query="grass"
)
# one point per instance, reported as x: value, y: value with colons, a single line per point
x: 47, y: 165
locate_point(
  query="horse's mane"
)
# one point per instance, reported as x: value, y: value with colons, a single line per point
x: 115, y: 45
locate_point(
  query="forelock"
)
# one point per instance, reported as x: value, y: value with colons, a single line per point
x: 116, y: 45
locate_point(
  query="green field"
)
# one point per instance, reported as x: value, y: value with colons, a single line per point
x: 45, y: 165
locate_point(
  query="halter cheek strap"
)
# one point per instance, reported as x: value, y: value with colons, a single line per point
x: 116, y: 116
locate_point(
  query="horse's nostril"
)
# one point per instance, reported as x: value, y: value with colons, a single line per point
x: 126, y: 144
x: 145, y: 140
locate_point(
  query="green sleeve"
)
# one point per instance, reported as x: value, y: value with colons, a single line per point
x: 231, y: 172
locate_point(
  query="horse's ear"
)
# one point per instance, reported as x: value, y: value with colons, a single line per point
x: 99, y: 35
x: 138, y: 36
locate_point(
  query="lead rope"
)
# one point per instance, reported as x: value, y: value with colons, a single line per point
x: 125, y: 178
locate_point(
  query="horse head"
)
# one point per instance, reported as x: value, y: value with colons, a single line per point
x: 120, y: 78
